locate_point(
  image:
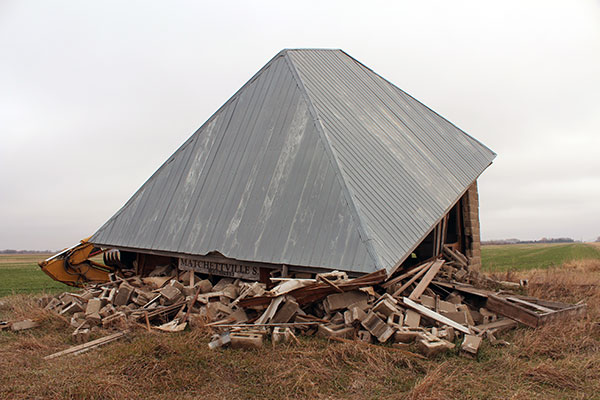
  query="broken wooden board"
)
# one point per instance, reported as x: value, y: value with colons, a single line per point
x: 455, y: 256
x: 81, y: 348
x: 412, y: 280
x: 173, y: 326
x: 405, y: 275
x: 529, y: 317
x: 435, y: 316
x: 23, y: 325
x: 427, y: 278
x: 464, y: 288
x: 163, y: 310
x: 500, y: 325
x: 319, y: 290
x: 289, y: 285
x: 270, y: 311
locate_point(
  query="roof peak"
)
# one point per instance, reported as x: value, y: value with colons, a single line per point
x: 300, y: 49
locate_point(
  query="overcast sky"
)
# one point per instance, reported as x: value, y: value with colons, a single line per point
x: 95, y: 95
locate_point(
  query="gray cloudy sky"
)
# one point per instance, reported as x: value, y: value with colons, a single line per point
x: 95, y: 95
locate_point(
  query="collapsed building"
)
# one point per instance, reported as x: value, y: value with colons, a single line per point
x: 319, y: 200
x: 316, y: 164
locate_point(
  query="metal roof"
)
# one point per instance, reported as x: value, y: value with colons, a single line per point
x: 316, y: 161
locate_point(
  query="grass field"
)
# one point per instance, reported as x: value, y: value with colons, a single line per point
x: 19, y: 273
x: 519, y: 257
x: 557, y: 361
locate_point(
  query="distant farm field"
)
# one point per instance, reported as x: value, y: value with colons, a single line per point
x: 19, y: 273
x: 519, y: 257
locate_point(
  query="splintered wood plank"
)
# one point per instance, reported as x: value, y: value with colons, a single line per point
x: 532, y: 305
x: 426, y: 280
x: 464, y: 288
x: 87, y: 346
x: 412, y: 280
x: 405, y: 275
x: 503, y: 307
x: 498, y: 325
x: 455, y: 255
x: 576, y: 311
x: 435, y: 316
x: 530, y: 318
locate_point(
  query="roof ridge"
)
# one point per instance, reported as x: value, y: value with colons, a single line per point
x: 312, y: 49
x: 362, y: 231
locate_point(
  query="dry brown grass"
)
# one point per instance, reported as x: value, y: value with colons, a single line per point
x: 555, y: 361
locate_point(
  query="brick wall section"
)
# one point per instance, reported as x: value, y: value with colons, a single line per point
x: 470, y: 208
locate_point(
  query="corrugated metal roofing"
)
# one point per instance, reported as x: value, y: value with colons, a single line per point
x: 316, y: 161
x: 403, y: 164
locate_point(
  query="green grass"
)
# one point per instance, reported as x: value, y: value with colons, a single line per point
x: 19, y: 273
x: 519, y: 257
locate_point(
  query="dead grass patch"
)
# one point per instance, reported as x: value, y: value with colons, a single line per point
x: 561, y: 360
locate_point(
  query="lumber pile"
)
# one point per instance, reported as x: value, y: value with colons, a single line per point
x: 432, y: 307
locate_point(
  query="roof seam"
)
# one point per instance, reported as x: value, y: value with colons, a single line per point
x: 334, y: 162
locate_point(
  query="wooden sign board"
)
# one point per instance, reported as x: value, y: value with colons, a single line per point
x: 228, y: 268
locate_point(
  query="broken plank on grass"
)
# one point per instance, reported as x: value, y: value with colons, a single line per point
x: 270, y: 324
x: 505, y: 307
x: 427, y: 278
x: 88, y: 346
x: 500, y: 325
x: 435, y: 316
x: 22, y: 325
x: 528, y: 304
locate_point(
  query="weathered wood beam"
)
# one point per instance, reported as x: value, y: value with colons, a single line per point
x: 88, y: 346
x: 435, y: 316
x: 426, y: 280
x: 411, y: 281
x: 405, y: 275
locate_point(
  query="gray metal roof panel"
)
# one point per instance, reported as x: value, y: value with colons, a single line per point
x: 255, y: 183
x: 403, y: 164
x: 316, y: 161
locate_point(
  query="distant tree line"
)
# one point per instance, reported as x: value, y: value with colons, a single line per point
x: 11, y: 251
x: 542, y: 240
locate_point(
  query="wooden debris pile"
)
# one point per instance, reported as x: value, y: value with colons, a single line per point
x: 432, y: 307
